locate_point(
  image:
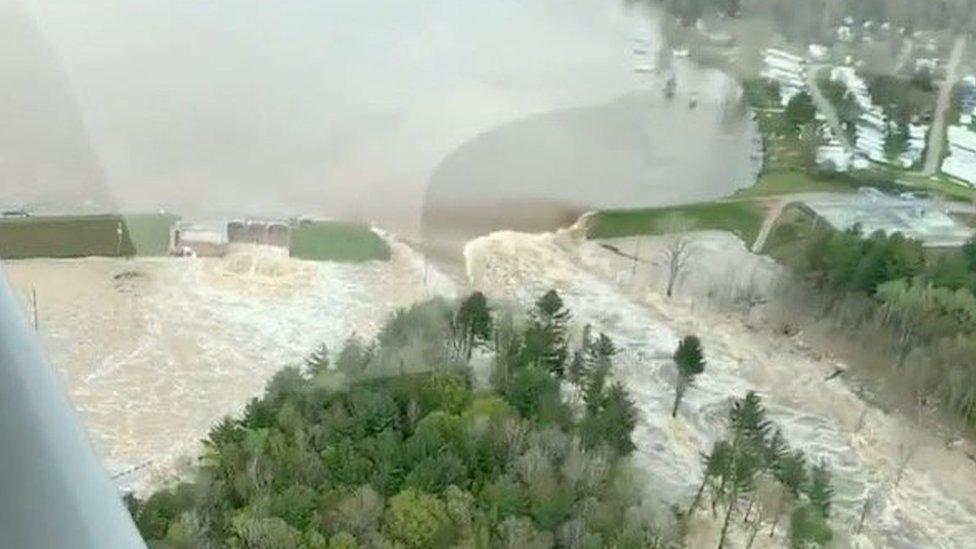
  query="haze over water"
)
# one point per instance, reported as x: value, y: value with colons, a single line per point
x: 341, y: 108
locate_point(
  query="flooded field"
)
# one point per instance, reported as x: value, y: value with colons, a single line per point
x: 154, y: 351
x: 934, y: 505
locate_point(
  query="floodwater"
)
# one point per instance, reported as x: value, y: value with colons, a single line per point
x: 934, y: 504
x: 350, y: 109
x: 153, y: 352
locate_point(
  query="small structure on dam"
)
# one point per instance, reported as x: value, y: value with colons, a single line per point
x: 259, y: 231
x: 200, y: 239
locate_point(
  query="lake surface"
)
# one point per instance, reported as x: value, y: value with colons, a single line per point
x: 348, y: 109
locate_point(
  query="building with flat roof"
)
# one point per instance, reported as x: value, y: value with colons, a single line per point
x: 921, y: 219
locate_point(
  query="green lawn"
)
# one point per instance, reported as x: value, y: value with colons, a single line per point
x: 939, y: 183
x: 85, y: 235
x: 776, y: 182
x: 63, y: 236
x: 150, y: 233
x: 337, y: 241
x: 743, y: 218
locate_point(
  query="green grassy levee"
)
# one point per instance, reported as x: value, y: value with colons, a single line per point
x: 84, y: 235
x: 742, y: 218
x: 337, y: 241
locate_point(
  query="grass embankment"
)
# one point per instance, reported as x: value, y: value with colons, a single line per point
x: 337, y: 241
x: 150, y: 233
x: 742, y: 218
x: 84, y: 235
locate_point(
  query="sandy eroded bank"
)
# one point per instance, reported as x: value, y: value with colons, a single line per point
x: 934, y: 505
x: 153, y: 351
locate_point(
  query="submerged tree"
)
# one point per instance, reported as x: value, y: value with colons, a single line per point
x: 690, y: 362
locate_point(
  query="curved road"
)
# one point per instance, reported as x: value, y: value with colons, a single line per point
x: 933, y: 158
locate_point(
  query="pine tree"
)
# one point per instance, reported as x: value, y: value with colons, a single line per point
x: 579, y: 365
x: 747, y: 417
x: 791, y: 472
x: 819, y: 491
x: 471, y: 325
x: 545, y: 339
x: 690, y: 361
x: 717, y: 464
x: 318, y: 361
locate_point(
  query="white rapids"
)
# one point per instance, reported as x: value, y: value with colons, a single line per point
x: 934, y: 505
x: 154, y: 351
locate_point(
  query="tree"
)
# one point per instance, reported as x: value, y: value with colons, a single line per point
x: 746, y: 462
x: 354, y: 358
x: 417, y: 520
x: 896, y: 140
x: 808, y: 527
x: 819, y: 491
x: 677, y: 247
x: 612, y: 423
x: 969, y: 252
x: 747, y: 417
x: 717, y: 464
x: 800, y: 111
x: 791, y: 472
x: 471, y: 325
x: 690, y: 362
x: 318, y: 361
x: 545, y: 340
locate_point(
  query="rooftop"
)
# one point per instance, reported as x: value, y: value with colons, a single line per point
x: 921, y: 219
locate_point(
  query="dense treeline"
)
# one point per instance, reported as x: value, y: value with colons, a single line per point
x: 391, y: 445
x: 926, y: 302
x: 817, y: 20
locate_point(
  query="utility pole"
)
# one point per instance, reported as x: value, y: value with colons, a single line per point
x: 118, y: 240
x: 633, y: 270
x: 34, y: 306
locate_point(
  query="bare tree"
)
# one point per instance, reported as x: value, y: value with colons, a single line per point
x: 677, y: 247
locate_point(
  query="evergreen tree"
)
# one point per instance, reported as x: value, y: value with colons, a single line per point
x: 471, y: 326
x: 819, y: 490
x: 718, y: 462
x: 808, y: 528
x: 545, y: 340
x: 690, y: 362
x: 318, y: 361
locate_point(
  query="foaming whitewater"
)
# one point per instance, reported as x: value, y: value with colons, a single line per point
x: 154, y: 351
x: 934, y: 505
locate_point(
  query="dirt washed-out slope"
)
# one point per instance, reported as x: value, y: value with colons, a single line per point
x: 933, y: 506
x: 153, y: 352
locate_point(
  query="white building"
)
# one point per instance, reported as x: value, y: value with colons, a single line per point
x: 873, y: 126
x: 961, y: 162
x: 787, y: 70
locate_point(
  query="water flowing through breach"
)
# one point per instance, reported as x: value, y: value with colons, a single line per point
x: 933, y: 505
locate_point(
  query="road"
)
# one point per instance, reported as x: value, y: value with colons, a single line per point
x: 933, y: 158
x: 825, y: 106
